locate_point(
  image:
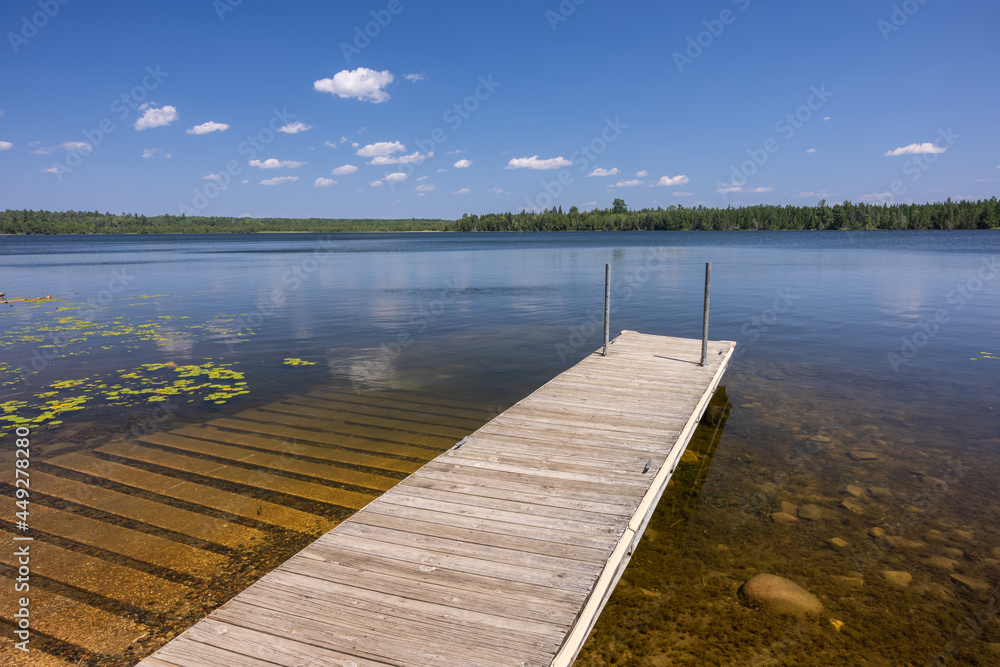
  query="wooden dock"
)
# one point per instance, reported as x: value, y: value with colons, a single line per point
x: 500, y: 551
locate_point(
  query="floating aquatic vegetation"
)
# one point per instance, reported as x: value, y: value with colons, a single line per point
x: 298, y: 362
x: 148, y: 383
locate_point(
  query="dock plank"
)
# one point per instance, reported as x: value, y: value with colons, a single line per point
x: 502, y: 551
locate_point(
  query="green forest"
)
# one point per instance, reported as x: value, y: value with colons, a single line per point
x: 846, y: 216
x: 983, y: 214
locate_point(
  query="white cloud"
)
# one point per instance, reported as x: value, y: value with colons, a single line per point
x: 324, y: 182
x: 6, y: 146
x: 811, y: 150
x: 51, y: 170
x: 457, y: 151
x: 150, y: 153
x: 642, y: 174
x: 156, y: 118
x: 811, y: 195
x: 629, y: 184
x: 985, y: 180
x: 425, y: 187
x: 877, y: 197
x: 363, y: 84
x: 77, y: 146
x: 205, y: 128
x: 499, y: 191
x: 534, y: 163
x: 442, y: 170
x: 376, y: 184
x: 462, y: 191
x: 463, y: 164
x: 330, y: 144
x: 604, y: 172
x: 674, y: 180
x: 211, y: 177
x: 295, y: 128
x: 381, y: 149
x: 684, y: 194
x: 415, y: 77
x: 825, y: 118
x: 423, y: 178
x: 728, y: 187
x: 47, y: 150
x: 272, y: 163
x: 759, y: 190
x: 345, y: 169
x: 277, y: 180
x: 382, y: 160
x: 396, y: 177
x: 916, y: 149
x: 591, y: 203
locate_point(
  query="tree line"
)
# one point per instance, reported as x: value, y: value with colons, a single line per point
x: 984, y: 214
x: 94, y: 222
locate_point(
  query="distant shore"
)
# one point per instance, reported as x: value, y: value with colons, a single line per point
x: 846, y: 216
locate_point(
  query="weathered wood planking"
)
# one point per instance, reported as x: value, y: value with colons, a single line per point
x: 501, y: 552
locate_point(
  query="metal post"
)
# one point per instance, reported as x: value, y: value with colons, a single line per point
x: 704, y: 322
x: 607, y: 309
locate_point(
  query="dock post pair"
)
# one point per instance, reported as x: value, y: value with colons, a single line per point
x: 704, y: 321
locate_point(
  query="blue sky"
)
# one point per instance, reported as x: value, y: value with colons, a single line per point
x: 232, y: 107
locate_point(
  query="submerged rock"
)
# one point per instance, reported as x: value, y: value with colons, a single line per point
x: 838, y: 543
x: 880, y: 493
x: 783, y: 517
x: 896, y: 578
x: 900, y: 542
x: 855, y: 491
x: 971, y: 582
x: 862, y: 455
x: 789, y: 508
x: 852, y: 580
x: 943, y: 562
x: 779, y: 595
x: 853, y: 506
x: 810, y: 512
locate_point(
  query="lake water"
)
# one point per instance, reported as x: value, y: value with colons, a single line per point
x: 885, y: 343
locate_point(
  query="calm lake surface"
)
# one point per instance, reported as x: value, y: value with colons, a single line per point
x: 865, y: 384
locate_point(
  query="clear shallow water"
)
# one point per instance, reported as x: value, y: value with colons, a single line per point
x: 488, y: 318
